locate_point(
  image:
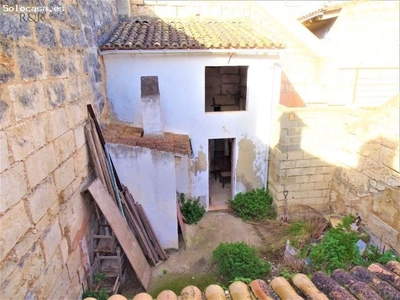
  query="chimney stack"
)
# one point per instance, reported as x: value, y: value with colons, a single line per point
x: 151, y: 107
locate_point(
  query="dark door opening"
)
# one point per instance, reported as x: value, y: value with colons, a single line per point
x: 220, y: 176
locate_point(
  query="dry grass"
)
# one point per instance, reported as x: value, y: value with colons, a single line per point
x: 304, y: 225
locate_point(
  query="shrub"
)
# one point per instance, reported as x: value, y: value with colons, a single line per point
x: 256, y: 204
x: 374, y: 255
x: 239, y: 260
x: 191, y: 209
x: 337, y: 249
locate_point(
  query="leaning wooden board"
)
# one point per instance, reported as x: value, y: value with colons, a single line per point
x: 122, y: 231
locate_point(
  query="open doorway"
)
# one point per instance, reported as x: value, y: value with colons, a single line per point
x: 220, y: 172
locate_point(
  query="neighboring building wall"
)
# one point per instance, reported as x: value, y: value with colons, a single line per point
x: 49, y: 71
x: 361, y: 61
x: 151, y: 179
x: 340, y: 160
x: 302, y: 156
x: 182, y: 91
x: 367, y: 180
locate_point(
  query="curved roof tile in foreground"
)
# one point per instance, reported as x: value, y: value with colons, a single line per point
x: 375, y: 283
x: 173, y: 34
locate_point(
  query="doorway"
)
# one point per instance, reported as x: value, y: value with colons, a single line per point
x: 220, y: 172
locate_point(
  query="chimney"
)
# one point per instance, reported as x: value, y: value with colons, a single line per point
x: 151, y: 107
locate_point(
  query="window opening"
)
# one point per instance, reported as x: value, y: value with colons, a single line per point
x: 225, y: 88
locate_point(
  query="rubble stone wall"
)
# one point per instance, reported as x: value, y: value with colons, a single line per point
x: 49, y: 71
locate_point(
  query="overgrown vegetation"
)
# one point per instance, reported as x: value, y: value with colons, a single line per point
x: 99, y: 277
x: 374, y: 255
x: 239, y: 260
x: 337, y: 249
x: 256, y: 204
x: 191, y: 209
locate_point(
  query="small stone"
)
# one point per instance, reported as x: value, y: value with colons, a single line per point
x: 11, y: 25
x: 30, y: 63
x: 67, y: 38
x: 56, y: 13
x: 73, y: 16
x: 56, y: 94
x: 3, y: 109
x: 57, y: 64
x: 46, y: 34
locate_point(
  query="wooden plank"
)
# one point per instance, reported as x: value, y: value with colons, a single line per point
x: 181, y: 224
x: 92, y: 148
x: 122, y: 231
x: 102, y: 158
x: 99, y: 133
x: 139, y: 234
x: 140, y: 227
x: 151, y: 233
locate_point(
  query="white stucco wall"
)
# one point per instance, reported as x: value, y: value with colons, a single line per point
x: 150, y: 177
x: 182, y: 89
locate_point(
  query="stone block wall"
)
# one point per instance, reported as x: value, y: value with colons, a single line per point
x: 303, y: 149
x: 49, y: 72
x: 342, y: 160
x: 367, y: 179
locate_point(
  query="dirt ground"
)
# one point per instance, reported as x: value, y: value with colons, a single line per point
x: 213, y: 229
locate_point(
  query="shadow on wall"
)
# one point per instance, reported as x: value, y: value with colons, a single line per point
x: 323, y: 164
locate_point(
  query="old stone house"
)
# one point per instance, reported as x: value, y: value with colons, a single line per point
x: 343, y: 158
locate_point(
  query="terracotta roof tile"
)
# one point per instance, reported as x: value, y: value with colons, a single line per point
x: 360, y: 283
x: 132, y: 136
x: 154, y: 34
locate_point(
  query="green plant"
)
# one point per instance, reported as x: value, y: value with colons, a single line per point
x: 299, y: 233
x: 242, y: 279
x: 191, y: 209
x: 287, y: 274
x: 256, y: 204
x: 374, y: 255
x: 164, y: 272
x: 99, y: 277
x: 236, y: 260
x: 337, y: 249
x: 99, y: 295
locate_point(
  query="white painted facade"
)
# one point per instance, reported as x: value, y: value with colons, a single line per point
x: 150, y: 177
x: 181, y: 79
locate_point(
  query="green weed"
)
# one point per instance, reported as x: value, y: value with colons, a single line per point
x: 236, y: 260
x: 191, y: 209
x: 256, y: 204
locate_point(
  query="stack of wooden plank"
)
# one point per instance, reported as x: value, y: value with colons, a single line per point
x: 140, y: 225
x: 131, y: 212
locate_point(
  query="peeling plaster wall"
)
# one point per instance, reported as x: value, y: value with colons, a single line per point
x: 182, y: 91
x: 150, y: 177
x: 250, y: 168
